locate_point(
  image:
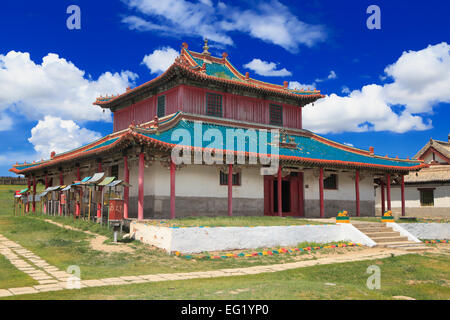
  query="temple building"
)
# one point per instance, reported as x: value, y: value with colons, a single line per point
x: 243, y: 146
x: 427, y: 192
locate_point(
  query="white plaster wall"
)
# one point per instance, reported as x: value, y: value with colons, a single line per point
x: 160, y: 237
x: 429, y: 157
x: 412, y: 196
x: 194, y: 240
x: 346, y: 187
x: 196, y: 180
x: 433, y: 231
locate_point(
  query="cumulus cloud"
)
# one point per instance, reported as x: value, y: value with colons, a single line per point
x: 267, y: 69
x: 271, y: 22
x: 55, y: 134
x: 295, y: 85
x: 55, y: 87
x: 160, y: 60
x: 420, y: 80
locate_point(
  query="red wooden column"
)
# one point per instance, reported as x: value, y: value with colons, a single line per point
x: 383, y: 201
x: 322, y: 207
x: 230, y: 190
x: 46, y: 186
x: 280, y: 207
x: 61, y: 182
x: 99, y: 205
x: 388, y: 190
x: 403, y: 195
x: 27, y: 207
x: 172, y: 189
x: 126, y: 190
x: 77, y: 208
x: 357, y: 192
x: 141, y: 187
x: 34, y: 194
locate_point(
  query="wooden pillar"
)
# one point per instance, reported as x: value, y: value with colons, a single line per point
x: 172, y: 189
x: 357, y: 192
x: 99, y: 204
x: 322, y: 207
x: 77, y: 205
x: 230, y: 190
x: 388, y: 190
x: 34, y: 194
x: 61, y: 182
x: 27, y: 206
x: 383, y: 201
x: 403, y: 195
x: 141, y: 187
x: 126, y: 190
x: 280, y: 198
x: 46, y: 186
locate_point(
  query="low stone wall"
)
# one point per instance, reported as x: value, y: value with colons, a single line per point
x: 196, y: 239
x: 433, y: 231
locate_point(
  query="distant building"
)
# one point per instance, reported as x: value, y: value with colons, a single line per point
x: 427, y: 192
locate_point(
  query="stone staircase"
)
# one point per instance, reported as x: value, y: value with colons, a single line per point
x: 385, y: 236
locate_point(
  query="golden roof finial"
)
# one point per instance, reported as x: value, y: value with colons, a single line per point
x: 205, y: 48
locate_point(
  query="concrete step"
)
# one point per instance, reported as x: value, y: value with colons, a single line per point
x: 385, y: 244
x: 372, y: 230
x: 389, y: 239
x: 383, y: 234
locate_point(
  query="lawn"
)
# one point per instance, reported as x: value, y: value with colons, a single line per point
x: 62, y: 248
x: 419, y: 277
x: 11, y: 277
x: 233, y: 221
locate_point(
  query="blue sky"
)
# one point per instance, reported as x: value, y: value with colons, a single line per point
x: 46, y: 104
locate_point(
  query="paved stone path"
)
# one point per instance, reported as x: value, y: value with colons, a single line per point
x: 59, y: 279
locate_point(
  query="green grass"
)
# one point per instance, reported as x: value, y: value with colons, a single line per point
x: 11, y: 277
x: 419, y: 277
x: 233, y: 221
x: 62, y: 248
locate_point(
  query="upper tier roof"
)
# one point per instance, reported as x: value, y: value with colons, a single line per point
x: 306, y: 148
x: 204, y: 67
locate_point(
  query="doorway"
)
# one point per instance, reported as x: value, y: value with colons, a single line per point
x: 292, y: 196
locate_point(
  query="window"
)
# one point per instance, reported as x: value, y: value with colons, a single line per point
x: 115, y: 171
x: 426, y: 197
x: 276, y: 114
x: 213, y: 105
x: 330, y: 182
x: 161, y: 110
x: 236, y: 180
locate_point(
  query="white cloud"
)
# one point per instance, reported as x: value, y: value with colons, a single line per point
x: 349, y: 144
x: 55, y: 87
x: 332, y: 75
x: 345, y: 90
x: 55, y: 134
x: 295, y: 85
x: 421, y: 79
x: 271, y: 22
x: 267, y: 69
x: 160, y: 60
